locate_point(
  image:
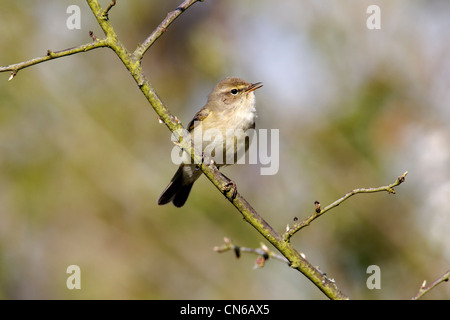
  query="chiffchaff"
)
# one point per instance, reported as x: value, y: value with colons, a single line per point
x: 230, y: 109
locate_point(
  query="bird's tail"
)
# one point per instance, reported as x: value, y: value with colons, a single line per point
x: 177, y: 191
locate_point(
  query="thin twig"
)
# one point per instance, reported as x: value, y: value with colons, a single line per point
x: 132, y: 63
x: 14, y: 68
x: 296, y: 260
x: 171, y: 16
x: 425, y: 289
x: 111, y: 4
x: 263, y: 251
x: 318, y: 212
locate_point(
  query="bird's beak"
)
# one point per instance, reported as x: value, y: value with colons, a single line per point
x: 253, y: 87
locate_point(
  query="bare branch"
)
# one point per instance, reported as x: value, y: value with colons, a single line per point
x: 14, y: 68
x: 111, y: 4
x: 263, y: 252
x: 171, y: 16
x: 318, y: 212
x: 424, y: 288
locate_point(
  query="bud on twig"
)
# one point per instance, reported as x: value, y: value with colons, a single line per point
x: 317, y: 205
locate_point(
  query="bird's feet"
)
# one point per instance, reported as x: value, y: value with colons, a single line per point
x: 230, y: 187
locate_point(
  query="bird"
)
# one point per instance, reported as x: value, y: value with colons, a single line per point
x: 230, y: 107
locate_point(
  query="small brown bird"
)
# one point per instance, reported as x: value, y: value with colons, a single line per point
x: 230, y: 108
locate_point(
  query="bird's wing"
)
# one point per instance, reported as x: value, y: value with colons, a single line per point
x: 199, y: 116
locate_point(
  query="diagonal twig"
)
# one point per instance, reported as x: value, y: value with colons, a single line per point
x: 424, y: 288
x: 300, y: 225
x: 171, y: 16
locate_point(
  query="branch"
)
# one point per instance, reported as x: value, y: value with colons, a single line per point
x: 14, y: 68
x: 298, y: 226
x: 263, y: 252
x: 171, y: 16
x: 425, y: 289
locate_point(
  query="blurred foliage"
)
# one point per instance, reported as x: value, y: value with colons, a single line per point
x: 83, y: 157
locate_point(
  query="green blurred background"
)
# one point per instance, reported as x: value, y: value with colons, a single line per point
x: 83, y: 157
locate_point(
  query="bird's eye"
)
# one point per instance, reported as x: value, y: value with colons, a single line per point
x: 234, y: 91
